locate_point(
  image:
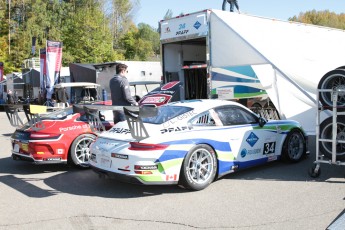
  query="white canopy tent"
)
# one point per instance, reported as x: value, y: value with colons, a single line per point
x: 289, y: 58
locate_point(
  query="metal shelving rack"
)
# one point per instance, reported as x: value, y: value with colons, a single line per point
x: 320, y: 158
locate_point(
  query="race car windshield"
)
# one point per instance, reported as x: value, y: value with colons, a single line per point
x: 166, y: 113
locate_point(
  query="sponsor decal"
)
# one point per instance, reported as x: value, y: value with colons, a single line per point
x: 197, y: 25
x: 154, y: 100
x: 120, y: 156
x: 246, y: 152
x: 60, y: 151
x: 272, y: 158
x: 243, y: 153
x: 172, y: 177
x: 182, y: 29
x: 169, y: 85
x: 178, y: 118
x: 182, y: 32
x: 167, y: 30
x: 146, y: 167
x: 73, y: 127
x: 252, y: 139
x: 119, y: 130
x: 52, y: 159
x: 176, y: 129
x: 269, y: 148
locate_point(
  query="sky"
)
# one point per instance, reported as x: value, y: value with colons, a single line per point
x: 152, y: 11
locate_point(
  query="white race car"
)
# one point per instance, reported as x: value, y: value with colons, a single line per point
x: 191, y: 143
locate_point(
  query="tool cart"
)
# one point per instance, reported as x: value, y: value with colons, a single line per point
x: 330, y: 134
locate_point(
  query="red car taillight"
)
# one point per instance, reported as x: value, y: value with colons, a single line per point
x: 146, y: 147
x: 41, y: 136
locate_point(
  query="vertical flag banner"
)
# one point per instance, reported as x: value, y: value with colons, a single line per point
x: 1, y: 78
x: 1, y: 71
x: 43, y: 71
x: 54, y: 59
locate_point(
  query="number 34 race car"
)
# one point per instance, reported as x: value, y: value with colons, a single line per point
x: 191, y: 143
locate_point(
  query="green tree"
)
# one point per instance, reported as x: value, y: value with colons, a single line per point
x: 86, y: 39
x: 92, y: 31
x: 149, y: 34
x: 140, y: 43
x: 4, y: 36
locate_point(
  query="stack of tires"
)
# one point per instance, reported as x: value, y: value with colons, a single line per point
x: 335, y: 80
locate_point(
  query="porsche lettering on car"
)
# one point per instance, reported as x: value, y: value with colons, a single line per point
x: 192, y: 143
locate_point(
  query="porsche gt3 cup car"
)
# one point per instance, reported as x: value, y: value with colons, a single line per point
x: 52, y: 138
x: 192, y: 143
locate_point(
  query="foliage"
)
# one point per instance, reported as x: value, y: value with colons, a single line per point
x: 92, y: 31
x: 140, y: 43
x: 321, y: 18
x: 87, y: 39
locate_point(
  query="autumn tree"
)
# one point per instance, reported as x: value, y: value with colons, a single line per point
x: 321, y: 18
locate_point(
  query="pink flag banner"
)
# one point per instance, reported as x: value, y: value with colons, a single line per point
x: 54, y: 59
x: 43, y: 71
x: 1, y: 78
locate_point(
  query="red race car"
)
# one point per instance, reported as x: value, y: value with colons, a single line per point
x: 60, y: 136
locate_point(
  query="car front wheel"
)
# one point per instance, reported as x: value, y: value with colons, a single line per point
x: 80, y: 151
x: 294, y: 147
x: 199, y: 168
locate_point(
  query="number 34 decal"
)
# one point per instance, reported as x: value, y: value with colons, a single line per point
x: 269, y: 148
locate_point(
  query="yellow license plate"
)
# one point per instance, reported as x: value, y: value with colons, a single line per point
x: 25, y: 147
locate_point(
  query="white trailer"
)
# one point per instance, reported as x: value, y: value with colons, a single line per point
x: 233, y: 56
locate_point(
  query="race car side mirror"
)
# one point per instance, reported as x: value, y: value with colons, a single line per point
x: 262, y: 121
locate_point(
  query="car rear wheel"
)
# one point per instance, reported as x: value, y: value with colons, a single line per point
x: 294, y: 147
x: 80, y: 151
x: 199, y: 168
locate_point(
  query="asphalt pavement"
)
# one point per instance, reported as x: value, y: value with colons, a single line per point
x: 275, y: 196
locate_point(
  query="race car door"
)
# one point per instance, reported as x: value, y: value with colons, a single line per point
x: 250, y: 143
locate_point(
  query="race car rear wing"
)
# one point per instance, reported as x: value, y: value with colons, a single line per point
x: 32, y: 114
x: 133, y: 115
x: 13, y: 116
x: 94, y: 116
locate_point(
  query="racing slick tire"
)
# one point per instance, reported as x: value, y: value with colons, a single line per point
x: 80, y: 151
x: 341, y: 67
x: 334, y: 79
x: 326, y: 129
x: 199, y: 168
x: 294, y: 147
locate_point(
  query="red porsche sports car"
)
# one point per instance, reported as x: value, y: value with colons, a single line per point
x: 57, y: 137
